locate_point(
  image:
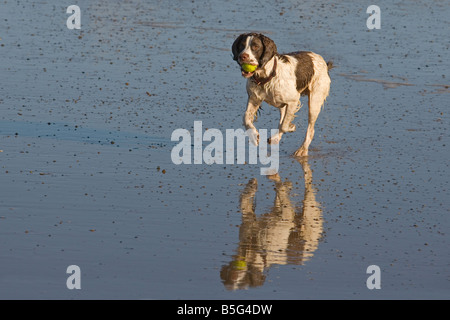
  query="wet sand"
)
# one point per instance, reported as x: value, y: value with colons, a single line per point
x: 86, y: 176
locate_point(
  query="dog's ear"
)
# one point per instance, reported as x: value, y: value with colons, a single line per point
x: 270, y: 49
x: 234, y: 47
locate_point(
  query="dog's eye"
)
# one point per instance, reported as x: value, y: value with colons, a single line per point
x: 255, y: 47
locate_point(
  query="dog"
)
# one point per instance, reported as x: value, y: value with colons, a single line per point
x: 280, y: 80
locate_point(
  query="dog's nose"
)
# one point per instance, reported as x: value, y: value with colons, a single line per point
x: 244, y: 56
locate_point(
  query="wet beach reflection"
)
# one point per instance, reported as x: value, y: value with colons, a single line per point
x: 285, y: 235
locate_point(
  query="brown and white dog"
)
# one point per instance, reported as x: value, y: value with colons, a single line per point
x: 280, y: 80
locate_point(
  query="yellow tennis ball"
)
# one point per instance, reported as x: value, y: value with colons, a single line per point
x: 248, y: 67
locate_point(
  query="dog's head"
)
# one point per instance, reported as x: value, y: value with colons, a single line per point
x: 254, y: 49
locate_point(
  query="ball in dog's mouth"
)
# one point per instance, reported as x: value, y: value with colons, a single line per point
x: 246, y: 74
x: 248, y: 69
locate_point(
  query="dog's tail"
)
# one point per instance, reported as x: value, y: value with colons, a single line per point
x: 330, y: 65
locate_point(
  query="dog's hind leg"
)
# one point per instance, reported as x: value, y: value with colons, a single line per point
x: 316, y: 100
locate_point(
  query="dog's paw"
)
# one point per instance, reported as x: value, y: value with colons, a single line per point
x: 274, y: 177
x: 274, y: 139
x: 253, y: 136
x: 301, y: 152
x: 292, y: 127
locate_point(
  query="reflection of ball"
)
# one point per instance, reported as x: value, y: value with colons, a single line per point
x: 248, y: 67
x: 239, y: 265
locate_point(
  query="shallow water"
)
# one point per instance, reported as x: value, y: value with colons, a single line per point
x: 86, y: 176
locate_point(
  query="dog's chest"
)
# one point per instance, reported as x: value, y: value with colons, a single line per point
x: 276, y: 97
x: 277, y: 92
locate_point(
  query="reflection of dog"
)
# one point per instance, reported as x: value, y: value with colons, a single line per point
x: 279, y: 237
x: 279, y: 80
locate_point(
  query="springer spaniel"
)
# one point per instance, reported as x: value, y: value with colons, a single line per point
x: 280, y: 80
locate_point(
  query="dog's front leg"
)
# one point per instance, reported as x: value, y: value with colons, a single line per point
x: 286, y: 116
x: 249, y: 116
